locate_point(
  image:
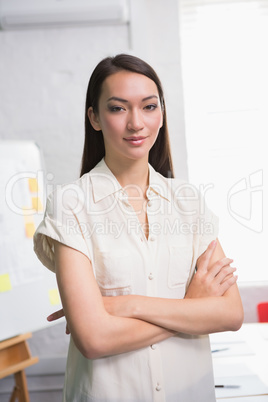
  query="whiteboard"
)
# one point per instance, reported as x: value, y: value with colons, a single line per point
x: 28, y: 291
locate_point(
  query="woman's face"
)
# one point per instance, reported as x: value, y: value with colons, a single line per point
x: 129, y: 116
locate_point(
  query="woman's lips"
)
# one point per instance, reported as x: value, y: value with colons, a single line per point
x: 135, y: 140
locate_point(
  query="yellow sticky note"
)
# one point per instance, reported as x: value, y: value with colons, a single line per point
x: 33, y: 185
x: 29, y: 229
x: 5, y: 284
x: 37, y: 204
x: 54, y: 297
x: 27, y: 218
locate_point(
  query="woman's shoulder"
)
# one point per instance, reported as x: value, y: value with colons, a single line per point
x: 70, y: 194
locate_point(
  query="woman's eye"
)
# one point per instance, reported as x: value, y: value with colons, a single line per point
x: 151, y: 107
x: 115, y: 108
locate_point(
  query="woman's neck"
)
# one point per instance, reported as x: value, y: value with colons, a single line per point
x: 131, y: 174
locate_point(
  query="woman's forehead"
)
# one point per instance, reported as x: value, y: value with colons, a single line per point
x: 128, y: 84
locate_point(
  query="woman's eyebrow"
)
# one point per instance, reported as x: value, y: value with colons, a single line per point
x: 115, y: 98
x: 150, y: 97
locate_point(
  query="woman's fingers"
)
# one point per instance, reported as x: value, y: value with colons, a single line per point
x: 56, y: 315
x: 204, y: 260
x: 228, y: 283
x: 221, y: 266
x: 225, y: 274
x: 211, y: 278
x: 222, y: 275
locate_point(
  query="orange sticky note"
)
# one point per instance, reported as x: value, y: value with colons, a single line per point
x: 5, y: 283
x: 33, y: 185
x: 54, y: 297
x: 29, y: 229
x: 37, y: 204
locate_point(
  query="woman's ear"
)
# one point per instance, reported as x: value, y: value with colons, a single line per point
x: 93, y: 118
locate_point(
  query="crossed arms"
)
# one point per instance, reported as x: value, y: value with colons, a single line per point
x: 102, y: 326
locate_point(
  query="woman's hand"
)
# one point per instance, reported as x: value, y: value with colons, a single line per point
x: 211, y: 280
x: 56, y: 315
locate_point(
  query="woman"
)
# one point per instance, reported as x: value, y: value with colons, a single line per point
x: 124, y: 241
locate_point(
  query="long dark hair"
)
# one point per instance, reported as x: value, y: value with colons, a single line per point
x: 94, y: 151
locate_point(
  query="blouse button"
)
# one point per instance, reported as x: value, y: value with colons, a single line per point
x: 149, y: 203
x: 151, y: 276
x: 153, y: 346
x: 158, y: 387
x: 152, y: 238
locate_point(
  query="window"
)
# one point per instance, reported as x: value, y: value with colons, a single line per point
x: 225, y: 76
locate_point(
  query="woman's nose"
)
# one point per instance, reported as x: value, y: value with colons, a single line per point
x: 135, y: 122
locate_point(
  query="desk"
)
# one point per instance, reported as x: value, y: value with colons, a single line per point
x: 241, y: 359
